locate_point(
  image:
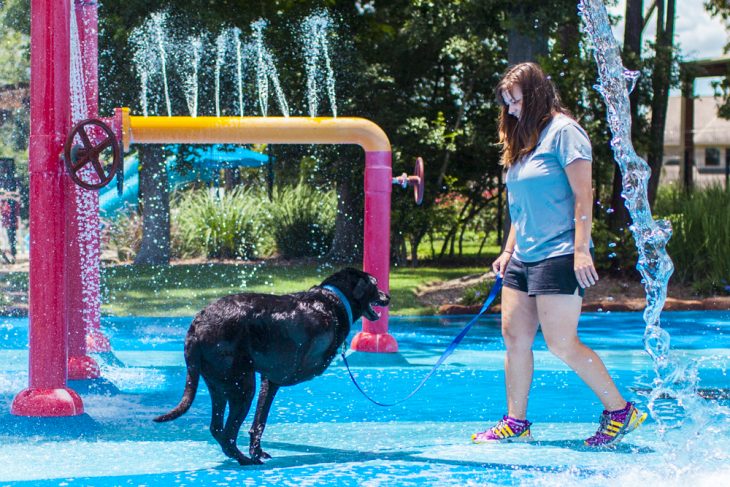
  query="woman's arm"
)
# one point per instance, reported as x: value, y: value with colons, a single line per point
x: 579, y: 177
x: 500, y: 263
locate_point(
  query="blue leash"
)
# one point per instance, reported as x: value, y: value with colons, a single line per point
x: 449, y: 350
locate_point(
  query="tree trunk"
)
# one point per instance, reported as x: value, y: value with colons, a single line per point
x: 415, y: 242
x: 457, y: 127
x: 232, y: 178
x: 398, y: 249
x: 347, y: 242
x: 634, y: 26
x: 524, y: 41
x: 660, y: 84
x: 155, y: 202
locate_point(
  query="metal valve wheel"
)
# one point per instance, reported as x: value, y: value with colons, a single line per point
x: 105, y: 156
x: 417, y: 180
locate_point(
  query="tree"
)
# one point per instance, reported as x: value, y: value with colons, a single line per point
x: 155, y: 202
x: 633, y: 28
x: 424, y: 71
x: 14, y: 81
x: 442, y: 107
x: 661, y: 81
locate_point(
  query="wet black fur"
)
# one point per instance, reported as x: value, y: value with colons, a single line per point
x: 286, y: 339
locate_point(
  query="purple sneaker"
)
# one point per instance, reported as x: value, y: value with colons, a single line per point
x: 507, y: 429
x: 615, y: 424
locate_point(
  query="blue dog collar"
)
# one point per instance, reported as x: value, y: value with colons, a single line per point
x: 344, y: 300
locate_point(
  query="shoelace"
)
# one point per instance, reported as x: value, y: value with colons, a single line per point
x: 603, y: 423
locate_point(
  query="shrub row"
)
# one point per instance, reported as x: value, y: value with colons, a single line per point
x: 239, y: 224
x: 700, y: 235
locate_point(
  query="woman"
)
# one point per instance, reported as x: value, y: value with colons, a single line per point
x: 547, y: 259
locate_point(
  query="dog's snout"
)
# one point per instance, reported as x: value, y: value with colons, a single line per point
x: 383, y: 298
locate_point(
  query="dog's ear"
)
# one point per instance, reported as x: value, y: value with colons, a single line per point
x: 361, y: 288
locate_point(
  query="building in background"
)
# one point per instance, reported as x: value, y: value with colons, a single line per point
x: 711, y: 142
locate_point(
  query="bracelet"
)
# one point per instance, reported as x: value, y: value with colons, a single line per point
x: 508, y: 251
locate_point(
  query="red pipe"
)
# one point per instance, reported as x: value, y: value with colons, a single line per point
x: 374, y: 336
x: 82, y: 224
x: 47, y: 394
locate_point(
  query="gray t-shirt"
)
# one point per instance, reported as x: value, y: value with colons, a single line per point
x: 541, y: 201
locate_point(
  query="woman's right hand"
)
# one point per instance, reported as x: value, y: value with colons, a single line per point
x: 500, y: 264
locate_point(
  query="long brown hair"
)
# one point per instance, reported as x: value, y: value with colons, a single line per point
x: 540, y: 101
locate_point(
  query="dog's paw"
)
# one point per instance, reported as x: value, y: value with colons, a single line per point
x: 259, y: 454
x: 245, y: 461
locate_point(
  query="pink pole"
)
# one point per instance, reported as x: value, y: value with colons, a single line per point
x: 47, y: 394
x: 374, y: 336
x: 82, y: 251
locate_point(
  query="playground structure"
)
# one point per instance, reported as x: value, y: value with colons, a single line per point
x: 60, y: 339
x: 205, y: 168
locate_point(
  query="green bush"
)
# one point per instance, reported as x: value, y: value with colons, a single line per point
x: 302, y: 221
x: 701, y: 232
x: 219, y: 224
x: 478, y: 293
x: 614, y: 252
x: 123, y: 234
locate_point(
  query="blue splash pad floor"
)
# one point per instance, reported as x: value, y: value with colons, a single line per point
x: 323, y: 432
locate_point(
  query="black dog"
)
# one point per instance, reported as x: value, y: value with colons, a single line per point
x: 287, y: 339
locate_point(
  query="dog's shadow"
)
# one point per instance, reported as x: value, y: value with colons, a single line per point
x: 316, y: 455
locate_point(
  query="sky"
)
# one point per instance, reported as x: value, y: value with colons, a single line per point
x: 698, y: 35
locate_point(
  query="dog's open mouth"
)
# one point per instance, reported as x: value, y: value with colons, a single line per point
x: 370, y: 313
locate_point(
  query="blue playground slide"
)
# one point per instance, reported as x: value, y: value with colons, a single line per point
x: 206, y: 166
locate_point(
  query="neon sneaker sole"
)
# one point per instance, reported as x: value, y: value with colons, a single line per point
x: 524, y: 437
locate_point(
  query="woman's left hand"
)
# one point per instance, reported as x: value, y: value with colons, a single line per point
x: 585, y: 272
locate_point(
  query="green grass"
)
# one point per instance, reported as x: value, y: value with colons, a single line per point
x: 469, y: 248
x: 182, y: 290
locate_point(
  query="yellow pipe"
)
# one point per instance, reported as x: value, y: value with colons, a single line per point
x: 252, y: 130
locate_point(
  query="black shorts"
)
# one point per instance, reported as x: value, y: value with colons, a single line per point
x: 555, y: 275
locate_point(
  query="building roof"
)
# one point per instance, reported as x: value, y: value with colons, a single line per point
x: 709, y: 128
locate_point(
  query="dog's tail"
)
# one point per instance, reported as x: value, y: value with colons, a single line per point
x: 192, y: 359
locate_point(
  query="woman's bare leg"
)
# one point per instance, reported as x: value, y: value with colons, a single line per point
x: 558, y: 315
x: 519, y: 326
